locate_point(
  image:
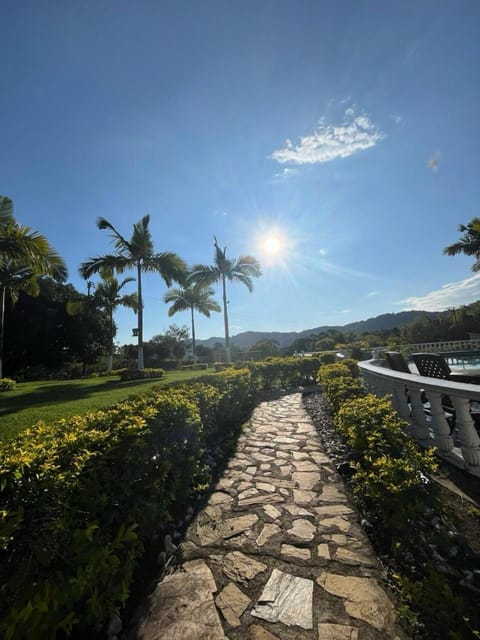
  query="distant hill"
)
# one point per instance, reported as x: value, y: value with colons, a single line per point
x: 385, y: 321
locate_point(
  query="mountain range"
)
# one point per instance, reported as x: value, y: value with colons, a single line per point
x: 285, y: 338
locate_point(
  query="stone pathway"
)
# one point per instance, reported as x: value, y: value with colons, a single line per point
x: 278, y: 552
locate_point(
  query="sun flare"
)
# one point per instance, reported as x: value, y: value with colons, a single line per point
x: 272, y: 245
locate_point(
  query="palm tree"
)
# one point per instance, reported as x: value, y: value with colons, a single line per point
x: 136, y: 253
x: 469, y: 244
x: 193, y: 297
x: 241, y: 269
x: 25, y: 256
x: 108, y: 295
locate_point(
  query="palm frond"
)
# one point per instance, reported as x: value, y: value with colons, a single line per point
x: 120, y: 243
x: 170, y: 266
x: 6, y: 211
x: 105, y: 264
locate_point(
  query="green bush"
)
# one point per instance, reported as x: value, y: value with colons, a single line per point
x: 80, y: 499
x: 7, y: 384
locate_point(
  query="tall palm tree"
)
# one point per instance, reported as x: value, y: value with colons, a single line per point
x: 193, y: 297
x: 136, y: 253
x: 25, y: 256
x: 469, y: 244
x: 108, y: 295
x: 241, y: 269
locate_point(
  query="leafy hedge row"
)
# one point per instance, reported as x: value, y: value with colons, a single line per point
x: 400, y: 503
x: 80, y: 499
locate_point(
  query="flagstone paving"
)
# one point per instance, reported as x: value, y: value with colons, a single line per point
x: 277, y: 553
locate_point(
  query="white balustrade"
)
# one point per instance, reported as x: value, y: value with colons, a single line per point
x: 431, y: 428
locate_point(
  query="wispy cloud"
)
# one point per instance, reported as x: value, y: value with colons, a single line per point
x: 372, y: 293
x: 453, y: 294
x: 328, y: 142
x: 398, y: 119
x: 287, y: 172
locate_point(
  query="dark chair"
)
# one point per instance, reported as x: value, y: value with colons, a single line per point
x: 396, y: 361
x: 432, y: 365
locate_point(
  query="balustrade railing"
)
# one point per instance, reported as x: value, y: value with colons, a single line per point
x: 429, y: 423
x: 446, y: 346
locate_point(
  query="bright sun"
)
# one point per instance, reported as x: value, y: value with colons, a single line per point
x: 273, y: 245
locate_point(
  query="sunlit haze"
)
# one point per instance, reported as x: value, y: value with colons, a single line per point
x: 337, y: 142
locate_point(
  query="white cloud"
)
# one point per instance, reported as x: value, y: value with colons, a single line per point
x: 372, y: 293
x: 322, y: 252
x: 329, y: 142
x: 453, y: 294
x: 398, y: 119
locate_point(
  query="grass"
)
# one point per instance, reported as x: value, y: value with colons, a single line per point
x: 51, y: 400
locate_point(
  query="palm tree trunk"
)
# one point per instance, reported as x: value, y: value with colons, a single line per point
x: 193, y: 338
x: 228, y: 354
x: 110, y: 355
x: 140, y: 365
x: 2, y: 321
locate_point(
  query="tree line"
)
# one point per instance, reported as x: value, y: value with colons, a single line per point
x: 48, y: 324
x: 27, y: 259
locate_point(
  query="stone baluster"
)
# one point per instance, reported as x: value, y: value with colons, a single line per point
x: 421, y: 431
x: 469, y: 440
x: 399, y: 399
x: 441, y: 428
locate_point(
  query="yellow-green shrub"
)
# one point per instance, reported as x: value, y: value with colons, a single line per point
x: 79, y: 499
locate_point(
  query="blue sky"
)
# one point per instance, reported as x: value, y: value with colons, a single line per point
x: 350, y: 129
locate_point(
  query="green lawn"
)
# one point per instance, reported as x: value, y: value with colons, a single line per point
x: 52, y: 400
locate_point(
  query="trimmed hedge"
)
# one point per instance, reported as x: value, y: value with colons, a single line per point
x: 80, y: 499
x: 137, y: 374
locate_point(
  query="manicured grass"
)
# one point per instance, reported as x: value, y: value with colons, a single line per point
x: 56, y: 399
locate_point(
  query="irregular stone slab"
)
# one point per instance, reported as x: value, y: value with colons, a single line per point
x: 286, y: 469
x: 259, y: 633
x: 241, y: 568
x: 337, y: 538
x: 333, y: 510
x: 339, y: 522
x: 207, y: 526
x: 248, y: 493
x: 263, y: 499
x: 282, y: 455
x: 295, y: 510
x: 265, y: 466
x: 300, y: 455
x: 283, y: 491
x: 224, y: 483
x: 364, y: 599
x: 306, y: 480
x: 323, y: 551
x: 278, y: 482
x: 219, y: 497
x: 304, y: 465
x: 320, y: 458
x: 232, y: 602
x: 295, y: 552
x: 272, y: 512
x: 327, y: 631
x: 261, y: 457
x: 301, y: 496
x: 288, y: 599
x: 268, y: 531
x: 332, y: 494
x: 234, y: 526
x: 265, y: 486
x: 285, y: 440
x: 251, y: 470
x: 302, y: 529
x: 352, y: 558
x: 182, y: 606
